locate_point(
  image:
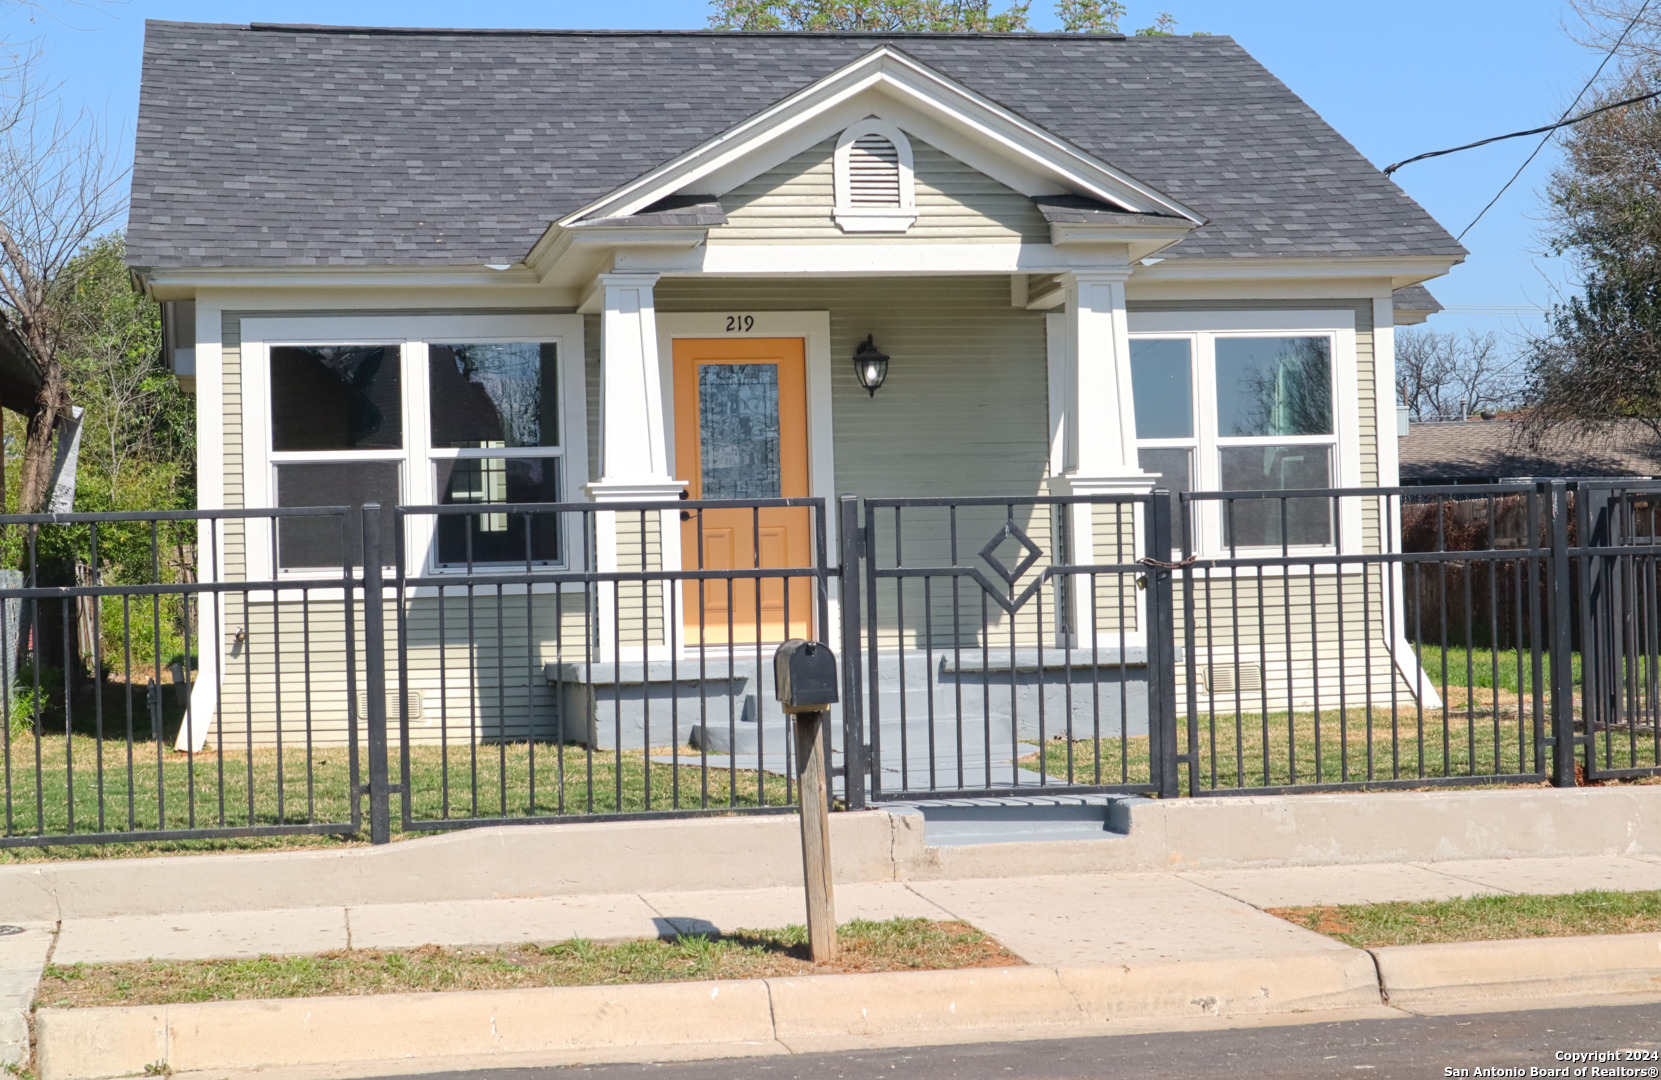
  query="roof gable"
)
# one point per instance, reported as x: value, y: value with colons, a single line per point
x: 889, y: 84
x: 277, y: 146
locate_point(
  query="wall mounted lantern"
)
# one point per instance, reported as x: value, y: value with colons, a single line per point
x: 870, y: 365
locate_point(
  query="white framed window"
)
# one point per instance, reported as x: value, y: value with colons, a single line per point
x: 1251, y: 401
x: 412, y: 410
x: 873, y: 179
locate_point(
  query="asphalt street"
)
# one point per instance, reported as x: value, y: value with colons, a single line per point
x: 1409, y: 1048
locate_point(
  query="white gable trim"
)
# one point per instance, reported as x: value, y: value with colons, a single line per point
x: 914, y: 84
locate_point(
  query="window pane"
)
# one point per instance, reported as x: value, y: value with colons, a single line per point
x: 488, y: 538
x: 323, y: 541
x: 1274, y: 386
x: 494, y: 395
x: 1162, y: 385
x: 336, y: 397
x: 738, y: 429
x: 1257, y: 522
x: 1174, y: 466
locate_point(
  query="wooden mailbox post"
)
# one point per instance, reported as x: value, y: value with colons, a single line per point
x: 804, y: 676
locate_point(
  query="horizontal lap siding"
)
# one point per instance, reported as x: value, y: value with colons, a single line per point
x: 1334, y: 638
x: 481, y: 677
x: 793, y: 202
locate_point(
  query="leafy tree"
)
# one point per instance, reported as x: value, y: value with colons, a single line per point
x: 902, y: 16
x: 138, y: 452
x: 1600, y: 359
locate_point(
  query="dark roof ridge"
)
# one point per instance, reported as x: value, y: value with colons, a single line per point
x: 439, y: 31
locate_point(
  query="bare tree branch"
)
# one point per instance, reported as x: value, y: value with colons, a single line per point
x: 1449, y: 376
x: 59, y: 188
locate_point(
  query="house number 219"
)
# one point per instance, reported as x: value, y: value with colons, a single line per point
x: 739, y: 324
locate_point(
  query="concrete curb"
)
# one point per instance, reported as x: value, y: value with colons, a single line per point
x: 707, y: 1018
x: 1416, y: 976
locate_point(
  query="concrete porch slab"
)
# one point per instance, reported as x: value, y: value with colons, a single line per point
x: 611, y: 917
x: 201, y: 935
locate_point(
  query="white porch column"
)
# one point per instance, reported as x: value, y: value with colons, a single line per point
x: 1097, y: 441
x: 634, y: 449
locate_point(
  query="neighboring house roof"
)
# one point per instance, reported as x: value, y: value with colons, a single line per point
x: 1415, y: 304
x: 262, y: 146
x: 20, y: 377
x: 1456, y: 451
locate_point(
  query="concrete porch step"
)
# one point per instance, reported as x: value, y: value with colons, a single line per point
x: 1020, y: 819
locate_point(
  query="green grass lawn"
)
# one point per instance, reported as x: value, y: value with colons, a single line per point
x: 1482, y: 918
x: 893, y: 945
x: 1268, y: 750
x: 1461, y: 669
x: 88, y: 785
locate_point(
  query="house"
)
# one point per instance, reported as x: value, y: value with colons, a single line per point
x: 421, y: 267
x: 1496, y: 451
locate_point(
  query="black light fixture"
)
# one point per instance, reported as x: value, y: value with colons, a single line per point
x: 870, y: 365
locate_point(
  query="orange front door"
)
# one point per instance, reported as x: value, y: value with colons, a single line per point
x: 741, y: 433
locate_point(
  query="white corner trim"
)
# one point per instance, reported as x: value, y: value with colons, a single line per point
x: 903, y: 77
x: 813, y: 327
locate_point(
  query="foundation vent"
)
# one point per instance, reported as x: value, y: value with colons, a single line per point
x: 1233, y: 678
x: 417, y: 714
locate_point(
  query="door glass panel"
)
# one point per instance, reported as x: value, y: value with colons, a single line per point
x: 738, y: 430
x: 1162, y: 386
x: 1274, y: 386
x: 336, y: 397
x: 493, y: 395
x: 1258, y: 522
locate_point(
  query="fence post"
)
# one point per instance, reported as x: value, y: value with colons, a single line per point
x: 1562, y: 641
x: 374, y: 679
x: 852, y: 545
x: 1161, y: 639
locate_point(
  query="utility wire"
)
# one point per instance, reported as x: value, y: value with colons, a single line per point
x: 1587, y: 115
x: 1613, y: 49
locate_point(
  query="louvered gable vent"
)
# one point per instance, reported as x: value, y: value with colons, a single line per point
x: 873, y: 179
x: 873, y: 172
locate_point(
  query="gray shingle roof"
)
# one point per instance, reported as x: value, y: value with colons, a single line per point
x: 1456, y: 451
x: 262, y: 146
x: 1415, y: 298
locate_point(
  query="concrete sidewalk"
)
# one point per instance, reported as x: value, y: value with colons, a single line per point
x: 1160, y: 922
x: 1044, y: 919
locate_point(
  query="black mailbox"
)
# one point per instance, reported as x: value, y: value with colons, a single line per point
x: 804, y: 675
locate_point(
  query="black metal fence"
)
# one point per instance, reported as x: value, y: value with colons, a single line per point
x: 335, y: 670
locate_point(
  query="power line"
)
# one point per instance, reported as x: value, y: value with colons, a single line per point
x: 1613, y: 49
x: 1587, y: 115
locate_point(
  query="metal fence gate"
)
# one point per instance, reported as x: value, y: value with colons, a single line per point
x: 576, y: 661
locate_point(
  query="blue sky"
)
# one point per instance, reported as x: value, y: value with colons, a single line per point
x: 1396, y: 79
